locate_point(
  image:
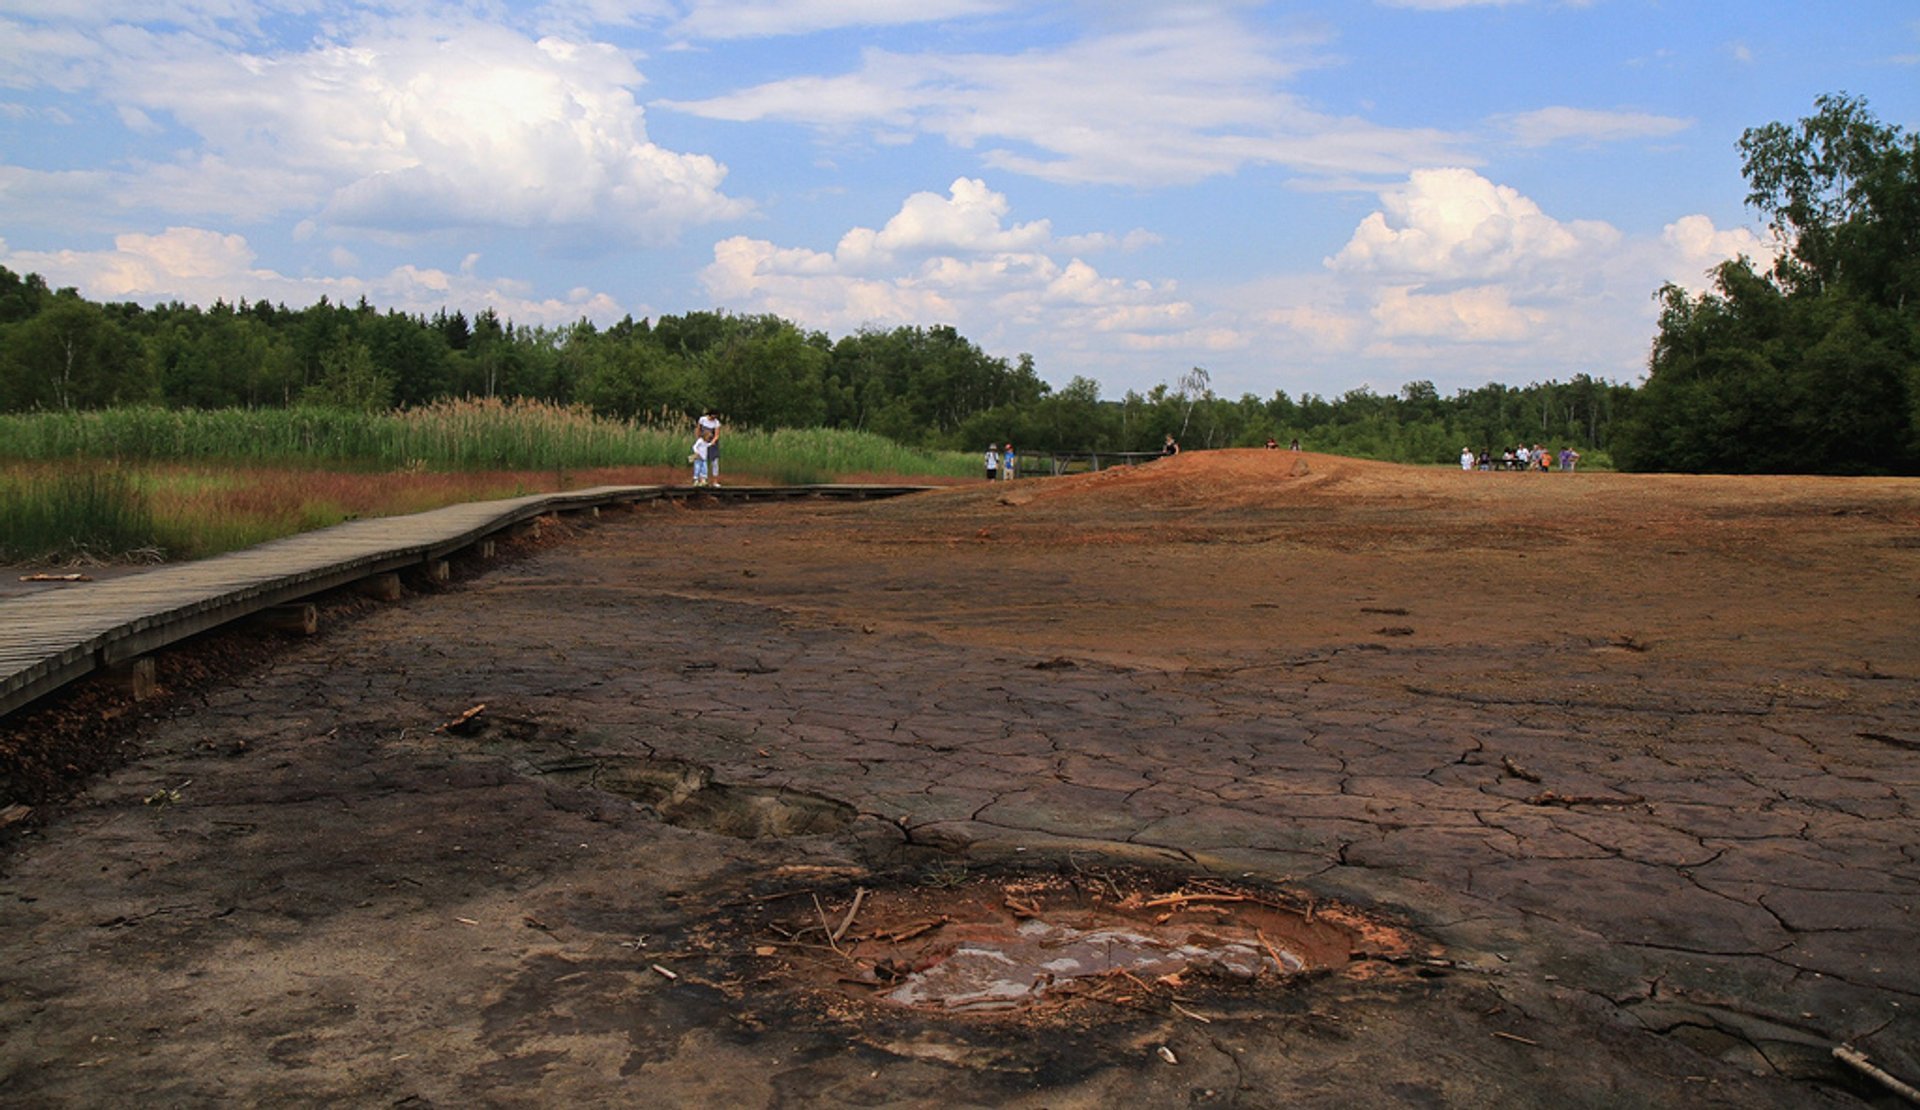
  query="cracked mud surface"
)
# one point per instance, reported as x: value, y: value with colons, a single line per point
x: 1638, y: 756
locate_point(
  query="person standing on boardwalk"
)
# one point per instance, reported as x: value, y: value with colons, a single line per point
x: 701, y: 452
x: 1169, y: 447
x: 993, y: 462
x: 1009, y: 468
x: 710, y: 431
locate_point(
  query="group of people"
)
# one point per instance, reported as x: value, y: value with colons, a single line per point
x: 1519, y: 458
x: 1002, y: 462
x: 706, y: 450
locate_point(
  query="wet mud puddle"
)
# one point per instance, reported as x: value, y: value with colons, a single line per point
x: 998, y: 968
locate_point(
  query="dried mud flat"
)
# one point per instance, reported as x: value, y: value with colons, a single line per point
x: 1578, y: 790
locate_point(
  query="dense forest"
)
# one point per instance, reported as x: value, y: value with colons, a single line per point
x: 1810, y: 366
x: 922, y: 386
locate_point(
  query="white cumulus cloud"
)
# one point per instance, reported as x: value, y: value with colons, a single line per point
x: 1544, y: 126
x: 198, y: 266
x: 389, y: 125
x: 954, y: 259
x: 1188, y: 94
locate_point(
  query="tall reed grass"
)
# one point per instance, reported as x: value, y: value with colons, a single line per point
x: 447, y: 435
x: 192, y: 483
x: 69, y: 512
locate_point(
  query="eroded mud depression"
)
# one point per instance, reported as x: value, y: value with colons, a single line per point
x: 1046, y: 944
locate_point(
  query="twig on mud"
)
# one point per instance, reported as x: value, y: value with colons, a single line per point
x: 1279, y: 964
x: 758, y: 899
x: 1550, y: 798
x: 1857, y: 1060
x: 1201, y: 1018
x: 465, y: 722
x: 1183, y: 899
x: 825, y: 927
x: 671, y: 975
x: 859, y: 896
x: 1515, y: 1037
x: 912, y: 931
x: 1516, y: 770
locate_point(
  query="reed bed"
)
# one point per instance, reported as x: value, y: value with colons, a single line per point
x: 183, y: 484
x: 77, y: 512
x: 448, y: 435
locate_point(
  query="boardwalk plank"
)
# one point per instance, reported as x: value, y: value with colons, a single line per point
x: 51, y: 637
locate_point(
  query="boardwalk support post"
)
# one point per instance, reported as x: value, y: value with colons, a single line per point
x: 138, y: 676
x: 381, y: 587
x: 299, y: 619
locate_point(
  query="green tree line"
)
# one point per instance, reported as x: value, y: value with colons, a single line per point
x: 929, y: 387
x: 1813, y: 364
x: 1810, y: 366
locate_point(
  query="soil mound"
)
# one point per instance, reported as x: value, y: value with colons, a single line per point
x: 1234, y: 480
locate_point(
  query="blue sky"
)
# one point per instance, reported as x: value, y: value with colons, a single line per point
x: 1308, y: 197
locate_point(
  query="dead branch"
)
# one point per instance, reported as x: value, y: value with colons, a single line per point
x: 1278, y: 963
x: 825, y: 927
x: 1516, y: 770
x: 1551, y: 798
x: 464, y: 721
x: 1857, y: 1060
x: 1201, y: 1018
x: 912, y: 931
x: 1183, y: 899
x: 859, y: 896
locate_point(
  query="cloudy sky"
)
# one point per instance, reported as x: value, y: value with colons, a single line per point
x: 1304, y: 196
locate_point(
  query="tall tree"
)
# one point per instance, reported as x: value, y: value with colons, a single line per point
x: 1814, y: 364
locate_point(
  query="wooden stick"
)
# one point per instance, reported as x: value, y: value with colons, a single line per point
x: 1182, y: 899
x: 1516, y: 770
x: 859, y: 895
x: 825, y: 926
x: 1201, y: 1018
x: 1857, y: 1060
x: 1515, y: 1037
x: 1278, y: 963
x: 915, y: 930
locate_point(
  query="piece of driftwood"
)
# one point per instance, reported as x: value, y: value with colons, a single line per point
x: 859, y: 896
x: 912, y: 931
x: 465, y: 722
x: 825, y: 927
x: 1184, y: 899
x: 1857, y: 1060
x: 55, y: 578
x: 1516, y: 770
x: 1278, y: 963
x: 1553, y: 798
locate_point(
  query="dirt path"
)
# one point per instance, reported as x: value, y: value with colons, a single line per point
x: 1630, y: 762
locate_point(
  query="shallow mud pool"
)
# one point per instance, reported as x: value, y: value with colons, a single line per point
x: 1037, y: 944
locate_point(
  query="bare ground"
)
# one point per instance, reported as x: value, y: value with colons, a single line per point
x: 1627, y: 764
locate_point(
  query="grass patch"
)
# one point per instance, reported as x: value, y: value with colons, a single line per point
x: 449, y: 435
x: 74, y: 512
x: 193, y: 483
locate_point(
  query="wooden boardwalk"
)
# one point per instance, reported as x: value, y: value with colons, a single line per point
x: 52, y: 637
